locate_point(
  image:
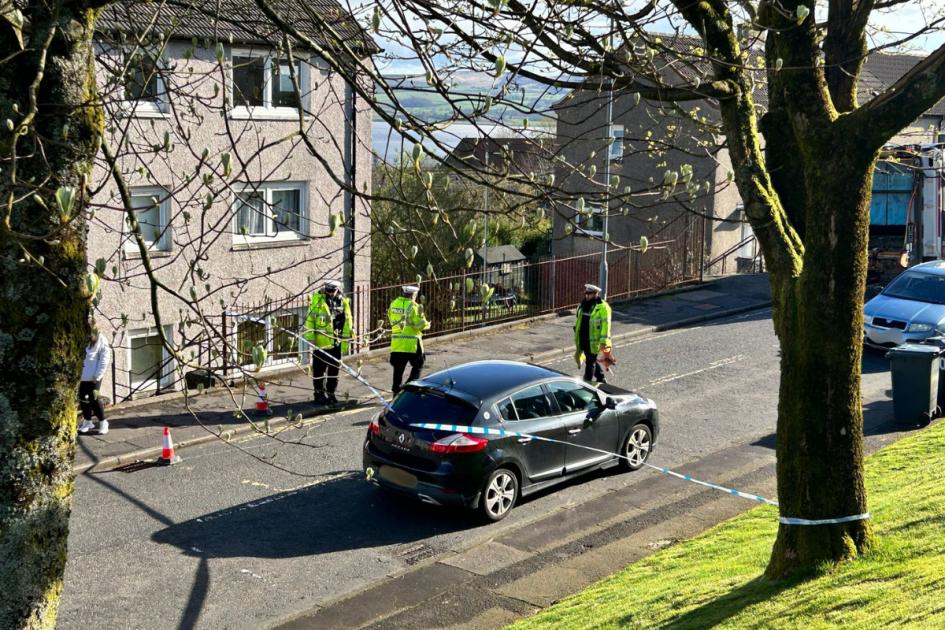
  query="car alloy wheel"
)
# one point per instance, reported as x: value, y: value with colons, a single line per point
x: 637, y: 447
x: 500, y: 494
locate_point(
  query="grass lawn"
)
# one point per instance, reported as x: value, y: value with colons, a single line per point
x: 715, y: 580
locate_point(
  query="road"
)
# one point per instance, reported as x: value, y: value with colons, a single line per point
x: 246, y: 534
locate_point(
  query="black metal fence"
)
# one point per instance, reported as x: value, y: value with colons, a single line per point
x: 467, y: 299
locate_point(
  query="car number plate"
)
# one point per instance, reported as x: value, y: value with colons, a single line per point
x: 398, y: 477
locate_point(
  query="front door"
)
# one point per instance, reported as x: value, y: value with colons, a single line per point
x: 587, y: 424
x: 530, y: 411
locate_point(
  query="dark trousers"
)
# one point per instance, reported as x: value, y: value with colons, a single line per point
x: 89, y: 402
x: 592, y: 368
x: 325, y: 364
x: 399, y: 361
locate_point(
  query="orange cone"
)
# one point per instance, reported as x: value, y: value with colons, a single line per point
x: 262, y: 403
x: 167, y: 452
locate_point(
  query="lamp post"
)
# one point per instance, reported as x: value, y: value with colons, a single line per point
x: 485, y: 210
x: 606, y: 232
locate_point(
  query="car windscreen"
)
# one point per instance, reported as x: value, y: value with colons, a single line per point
x: 920, y: 287
x: 424, y: 406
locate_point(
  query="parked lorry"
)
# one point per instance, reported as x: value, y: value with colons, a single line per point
x: 906, y: 212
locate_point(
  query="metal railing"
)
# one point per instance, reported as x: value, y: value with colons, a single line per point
x: 453, y: 303
x: 756, y: 260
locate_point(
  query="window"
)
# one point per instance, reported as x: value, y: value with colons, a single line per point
x: 616, y: 146
x: 276, y: 332
x: 531, y: 403
x: 249, y: 334
x: 413, y: 405
x: 270, y: 211
x: 592, y: 222
x: 507, y: 410
x: 143, y: 83
x: 151, y: 206
x: 263, y: 82
x: 148, y: 361
x: 572, y: 397
x: 285, y: 342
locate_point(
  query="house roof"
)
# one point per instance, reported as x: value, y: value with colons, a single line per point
x: 501, y: 254
x: 237, y: 21
x: 880, y: 71
x: 884, y: 69
x: 527, y: 154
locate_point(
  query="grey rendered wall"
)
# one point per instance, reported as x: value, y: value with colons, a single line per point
x: 238, y: 274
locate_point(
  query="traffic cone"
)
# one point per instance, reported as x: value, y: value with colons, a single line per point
x: 167, y: 452
x: 262, y: 402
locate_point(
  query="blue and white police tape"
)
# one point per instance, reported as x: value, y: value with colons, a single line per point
x: 355, y: 374
x: 787, y: 520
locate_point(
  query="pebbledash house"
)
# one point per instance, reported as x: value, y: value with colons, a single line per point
x: 238, y: 144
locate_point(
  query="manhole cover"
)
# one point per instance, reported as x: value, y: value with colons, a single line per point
x: 416, y: 553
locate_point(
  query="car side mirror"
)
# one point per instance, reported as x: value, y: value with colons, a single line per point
x: 610, y: 403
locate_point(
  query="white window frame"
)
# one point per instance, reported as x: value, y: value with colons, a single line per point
x: 271, y: 235
x: 167, y: 374
x: 618, y: 142
x: 145, y: 109
x: 266, y: 110
x: 267, y: 320
x: 582, y: 220
x: 163, y: 244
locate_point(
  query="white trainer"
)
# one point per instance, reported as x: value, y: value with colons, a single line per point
x: 86, y: 426
x: 103, y: 427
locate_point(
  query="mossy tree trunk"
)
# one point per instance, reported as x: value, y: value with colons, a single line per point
x: 807, y: 195
x: 819, y: 322
x: 48, y: 97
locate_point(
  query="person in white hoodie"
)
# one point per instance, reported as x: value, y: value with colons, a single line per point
x: 98, y: 358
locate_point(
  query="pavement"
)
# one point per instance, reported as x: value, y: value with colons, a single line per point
x: 136, y: 426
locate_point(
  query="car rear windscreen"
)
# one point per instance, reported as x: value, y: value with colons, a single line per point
x: 420, y: 406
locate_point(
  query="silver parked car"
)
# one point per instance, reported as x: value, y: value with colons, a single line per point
x: 910, y: 308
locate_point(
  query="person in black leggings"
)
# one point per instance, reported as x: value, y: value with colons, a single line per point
x: 98, y: 357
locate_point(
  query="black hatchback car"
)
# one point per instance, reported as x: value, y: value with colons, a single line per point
x: 490, y: 472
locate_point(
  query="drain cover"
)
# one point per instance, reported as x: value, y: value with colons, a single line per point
x: 135, y: 466
x: 414, y: 554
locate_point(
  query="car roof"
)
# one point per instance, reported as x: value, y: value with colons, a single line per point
x: 934, y: 267
x: 486, y: 379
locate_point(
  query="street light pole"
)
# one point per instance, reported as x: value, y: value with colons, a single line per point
x: 485, y: 210
x: 606, y: 231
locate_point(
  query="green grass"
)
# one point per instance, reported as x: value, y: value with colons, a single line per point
x: 715, y: 579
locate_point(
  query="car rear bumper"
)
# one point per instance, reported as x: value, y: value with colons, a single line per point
x: 436, y: 488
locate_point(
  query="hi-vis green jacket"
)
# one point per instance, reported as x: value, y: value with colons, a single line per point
x: 600, y: 327
x: 319, y: 328
x: 407, y: 323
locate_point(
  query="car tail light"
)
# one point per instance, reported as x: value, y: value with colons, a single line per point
x: 375, y: 425
x: 459, y: 443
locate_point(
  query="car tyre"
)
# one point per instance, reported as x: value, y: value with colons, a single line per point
x: 636, y: 447
x: 499, y: 495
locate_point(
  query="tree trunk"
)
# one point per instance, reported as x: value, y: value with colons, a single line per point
x: 48, y: 94
x: 819, y: 322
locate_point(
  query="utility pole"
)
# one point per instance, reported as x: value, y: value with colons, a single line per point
x: 606, y: 232
x: 485, y: 210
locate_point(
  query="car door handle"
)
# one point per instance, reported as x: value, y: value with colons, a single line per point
x: 573, y: 431
x: 524, y: 440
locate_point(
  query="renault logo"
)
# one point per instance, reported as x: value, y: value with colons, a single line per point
x: 401, y: 438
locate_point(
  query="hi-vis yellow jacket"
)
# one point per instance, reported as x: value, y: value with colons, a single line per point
x: 319, y: 328
x: 407, y: 323
x: 600, y: 327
